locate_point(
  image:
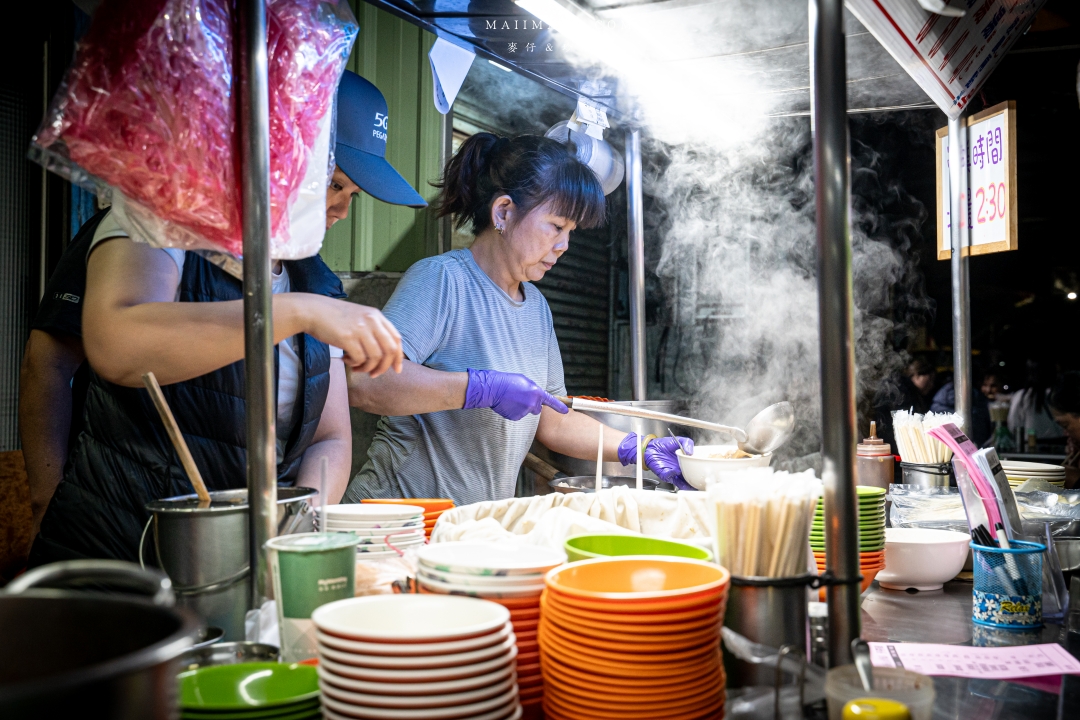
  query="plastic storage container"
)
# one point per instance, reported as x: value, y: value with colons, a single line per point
x: 842, y: 685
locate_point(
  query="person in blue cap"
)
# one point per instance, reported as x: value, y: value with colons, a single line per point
x: 483, y: 366
x: 129, y: 308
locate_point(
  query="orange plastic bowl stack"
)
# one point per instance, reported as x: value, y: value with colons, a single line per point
x: 433, y: 508
x: 633, y: 637
x: 389, y: 657
x: 509, y: 575
x: 870, y: 564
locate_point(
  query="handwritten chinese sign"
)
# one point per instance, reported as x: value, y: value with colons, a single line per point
x: 949, y: 57
x: 990, y: 202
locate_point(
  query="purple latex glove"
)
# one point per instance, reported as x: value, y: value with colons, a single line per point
x: 509, y: 394
x: 659, y: 457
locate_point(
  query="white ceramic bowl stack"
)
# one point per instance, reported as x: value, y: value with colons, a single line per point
x: 416, y: 657
x: 382, y: 529
x: 1019, y: 472
x: 512, y: 576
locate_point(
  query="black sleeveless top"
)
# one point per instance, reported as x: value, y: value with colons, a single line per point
x: 123, y: 458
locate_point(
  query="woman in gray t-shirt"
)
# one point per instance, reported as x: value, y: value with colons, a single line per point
x: 482, y: 361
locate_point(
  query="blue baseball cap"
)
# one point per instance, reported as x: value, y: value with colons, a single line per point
x: 360, y: 150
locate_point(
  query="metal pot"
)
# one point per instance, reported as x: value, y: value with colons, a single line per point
x: 587, y: 483
x: 69, y: 650
x: 205, y: 550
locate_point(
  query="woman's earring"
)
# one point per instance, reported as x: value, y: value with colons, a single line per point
x: 499, y: 229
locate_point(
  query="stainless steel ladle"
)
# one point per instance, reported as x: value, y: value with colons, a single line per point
x: 768, y: 430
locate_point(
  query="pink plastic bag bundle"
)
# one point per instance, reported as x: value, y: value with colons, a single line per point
x: 148, y: 114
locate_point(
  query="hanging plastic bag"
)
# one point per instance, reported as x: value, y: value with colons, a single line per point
x: 147, y: 115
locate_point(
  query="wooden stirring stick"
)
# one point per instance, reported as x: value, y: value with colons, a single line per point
x: 177, y: 438
x: 600, y: 460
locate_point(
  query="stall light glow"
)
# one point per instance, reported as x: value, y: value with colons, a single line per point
x: 1071, y: 296
x: 501, y: 67
x: 566, y: 17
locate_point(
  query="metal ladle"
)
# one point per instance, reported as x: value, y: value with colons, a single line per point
x: 767, y: 431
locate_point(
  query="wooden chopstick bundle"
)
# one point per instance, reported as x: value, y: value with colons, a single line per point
x: 762, y: 522
x: 912, y: 442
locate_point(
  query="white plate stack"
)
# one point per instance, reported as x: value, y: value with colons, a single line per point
x: 416, y: 657
x: 382, y: 529
x: 1019, y: 472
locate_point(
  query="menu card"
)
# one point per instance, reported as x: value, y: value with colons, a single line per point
x: 986, y: 663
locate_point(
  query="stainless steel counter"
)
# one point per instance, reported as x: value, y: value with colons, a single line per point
x: 944, y: 616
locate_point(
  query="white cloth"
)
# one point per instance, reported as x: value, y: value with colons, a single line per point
x: 288, y: 360
x: 550, y: 519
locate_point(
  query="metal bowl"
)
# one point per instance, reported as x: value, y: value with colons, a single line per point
x: 587, y: 483
x: 229, y: 653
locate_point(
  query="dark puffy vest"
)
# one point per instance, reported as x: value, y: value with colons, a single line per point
x: 123, y: 458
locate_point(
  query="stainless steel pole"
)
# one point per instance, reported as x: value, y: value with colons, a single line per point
x: 828, y: 92
x: 635, y: 234
x: 258, y: 309
x: 961, y: 293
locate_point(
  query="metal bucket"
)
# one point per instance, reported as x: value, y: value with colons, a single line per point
x: 204, y: 551
x: 769, y: 611
x: 587, y: 483
x: 927, y: 475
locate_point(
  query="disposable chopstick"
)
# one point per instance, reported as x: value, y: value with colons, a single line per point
x: 600, y: 459
x: 177, y: 438
x: 640, y: 476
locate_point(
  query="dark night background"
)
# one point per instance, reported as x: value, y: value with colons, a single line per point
x: 1019, y: 304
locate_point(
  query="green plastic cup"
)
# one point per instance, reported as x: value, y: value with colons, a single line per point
x: 585, y: 547
x: 309, y: 570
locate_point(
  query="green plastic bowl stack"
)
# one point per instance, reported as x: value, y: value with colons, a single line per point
x: 586, y: 547
x: 871, y: 521
x: 250, y: 691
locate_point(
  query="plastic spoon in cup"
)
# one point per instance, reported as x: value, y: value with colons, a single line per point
x: 860, y: 653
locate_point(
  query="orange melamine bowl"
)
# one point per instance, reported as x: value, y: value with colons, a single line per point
x: 429, y: 504
x: 630, y: 579
x: 697, y: 604
x: 644, y: 621
x: 630, y: 643
x: 647, y: 680
x: 564, y: 707
x: 580, y: 621
x: 676, y: 701
x: 595, y: 686
x: 697, y: 659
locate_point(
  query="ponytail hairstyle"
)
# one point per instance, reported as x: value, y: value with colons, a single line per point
x: 530, y: 169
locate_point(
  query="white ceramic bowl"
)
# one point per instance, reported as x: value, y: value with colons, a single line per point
x: 921, y: 558
x: 410, y: 618
x: 352, y: 697
x: 482, y: 581
x: 494, y: 708
x: 372, y: 513
x: 333, y: 524
x: 698, y: 469
x: 421, y: 688
x: 419, y: 662
x: 446, y: 648
x: 503, y: 591
x: 491, y: 559
x: 425, y: 675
